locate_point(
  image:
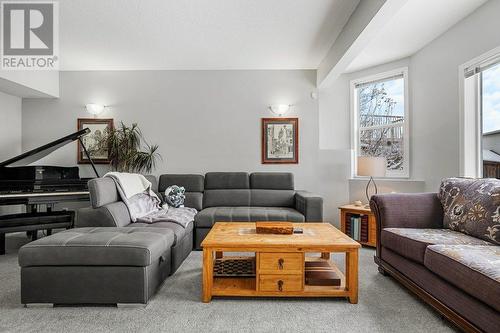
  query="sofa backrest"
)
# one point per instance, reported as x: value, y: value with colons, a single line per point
x: 102, y: 192
x: 193, y: 184
x: 226, y: 189
x: 272, y: 189
x: 470, y: 206
x: 104, y: 195
x: 272, y: 180
x: 241, y: 189
x: 154, y: 182
x: 264, y: 189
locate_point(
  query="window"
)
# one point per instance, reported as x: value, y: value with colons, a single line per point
x: 490, y: 114
x: 380, y: 120
x: 480, y: 135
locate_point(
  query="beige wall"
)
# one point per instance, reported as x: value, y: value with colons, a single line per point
x: 10, y: 126
x: 210, y: 120
x: 10, y: 133
x: 202, y: 120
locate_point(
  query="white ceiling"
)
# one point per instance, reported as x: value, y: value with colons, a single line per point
x: 199, y: 34
x: 416, y: 24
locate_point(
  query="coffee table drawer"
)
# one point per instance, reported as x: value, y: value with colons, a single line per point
x: 281, y: 263
x: 280, y: 283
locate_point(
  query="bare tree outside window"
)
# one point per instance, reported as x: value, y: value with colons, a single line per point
x: 381, y: 115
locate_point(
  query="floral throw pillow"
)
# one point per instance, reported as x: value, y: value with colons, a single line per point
x: 174, y: 196
x: 472, y: 206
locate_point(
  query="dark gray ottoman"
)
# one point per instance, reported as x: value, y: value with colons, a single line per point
x: 96, y: 266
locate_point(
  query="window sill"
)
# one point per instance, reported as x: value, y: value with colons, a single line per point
x: 387, y: 179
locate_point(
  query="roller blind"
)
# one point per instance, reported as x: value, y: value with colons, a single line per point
x: 385, y: 79
x: 478, y: 68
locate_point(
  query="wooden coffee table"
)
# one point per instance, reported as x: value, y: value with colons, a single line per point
x: 279, y: 261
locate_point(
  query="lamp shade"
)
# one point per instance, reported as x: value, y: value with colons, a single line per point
x: 371, y: 166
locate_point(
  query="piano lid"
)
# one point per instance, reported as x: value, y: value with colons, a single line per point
x: 40, y: 152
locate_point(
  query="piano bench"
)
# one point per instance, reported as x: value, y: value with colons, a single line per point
x: 33, y: 222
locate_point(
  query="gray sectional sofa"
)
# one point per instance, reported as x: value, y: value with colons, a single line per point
x: 108, y: 210
x: 96, y: 266
x: 218, y: 196
x: 109, y: 259
x: 243, y: 197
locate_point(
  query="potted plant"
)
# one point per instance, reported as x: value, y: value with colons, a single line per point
x: 129, y: 152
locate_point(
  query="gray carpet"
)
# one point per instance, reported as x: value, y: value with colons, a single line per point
x: 383, y: 306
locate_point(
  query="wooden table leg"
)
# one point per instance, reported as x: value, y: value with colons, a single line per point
x: 207, y: 275
x: 351, y: 261
x: 325, y: 255
x: 347, y: 275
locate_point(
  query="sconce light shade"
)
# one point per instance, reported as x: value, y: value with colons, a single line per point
x: 279, y: 109
x: 94, y: 109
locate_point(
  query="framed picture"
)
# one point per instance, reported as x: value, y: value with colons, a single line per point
x: 94, y: 141
x: 280, y: 140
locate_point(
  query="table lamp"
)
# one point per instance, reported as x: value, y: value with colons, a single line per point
x: 373, y: 167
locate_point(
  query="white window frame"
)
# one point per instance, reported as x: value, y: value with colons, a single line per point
x: 355, y: 121
x: 471, y: 154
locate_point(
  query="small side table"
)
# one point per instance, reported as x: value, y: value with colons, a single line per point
x: 367, y: 224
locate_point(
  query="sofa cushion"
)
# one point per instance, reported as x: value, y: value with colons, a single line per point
x: 208, y: 216
x: 119, y: 214
x: 272, y: 180
x: 154, y: 182
x: 472, y: 206
x: 483, y: 316
x: 231, y: 197
x: 179, y: 231
x: 98, y: 247
x: 226, y: 180
x: 194, y: 200
x: 411, y: 243
x: 272, y: 198
x: 254, y: 197
x: 191, y: 183
x: 472, y: 268
x: 102, y: 192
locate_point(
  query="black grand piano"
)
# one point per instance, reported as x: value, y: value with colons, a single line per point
x: 39, y: 188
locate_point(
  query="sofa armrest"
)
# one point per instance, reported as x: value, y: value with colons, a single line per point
x: 111, y: 215
x: 310, y: 205
x: 407, y: 210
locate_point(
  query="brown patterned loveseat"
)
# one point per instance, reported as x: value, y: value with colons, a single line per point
x: 445, y: 247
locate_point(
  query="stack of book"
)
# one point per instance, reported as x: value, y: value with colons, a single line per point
x: 357, y: 227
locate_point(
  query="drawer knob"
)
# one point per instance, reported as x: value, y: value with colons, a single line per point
x: 280, y: 285
x: 281, y: 261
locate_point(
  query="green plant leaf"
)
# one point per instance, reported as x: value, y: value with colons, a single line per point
x: 127, y: 153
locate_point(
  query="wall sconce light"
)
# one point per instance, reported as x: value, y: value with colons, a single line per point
x: 280, y: 109
x: 95, y: 109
